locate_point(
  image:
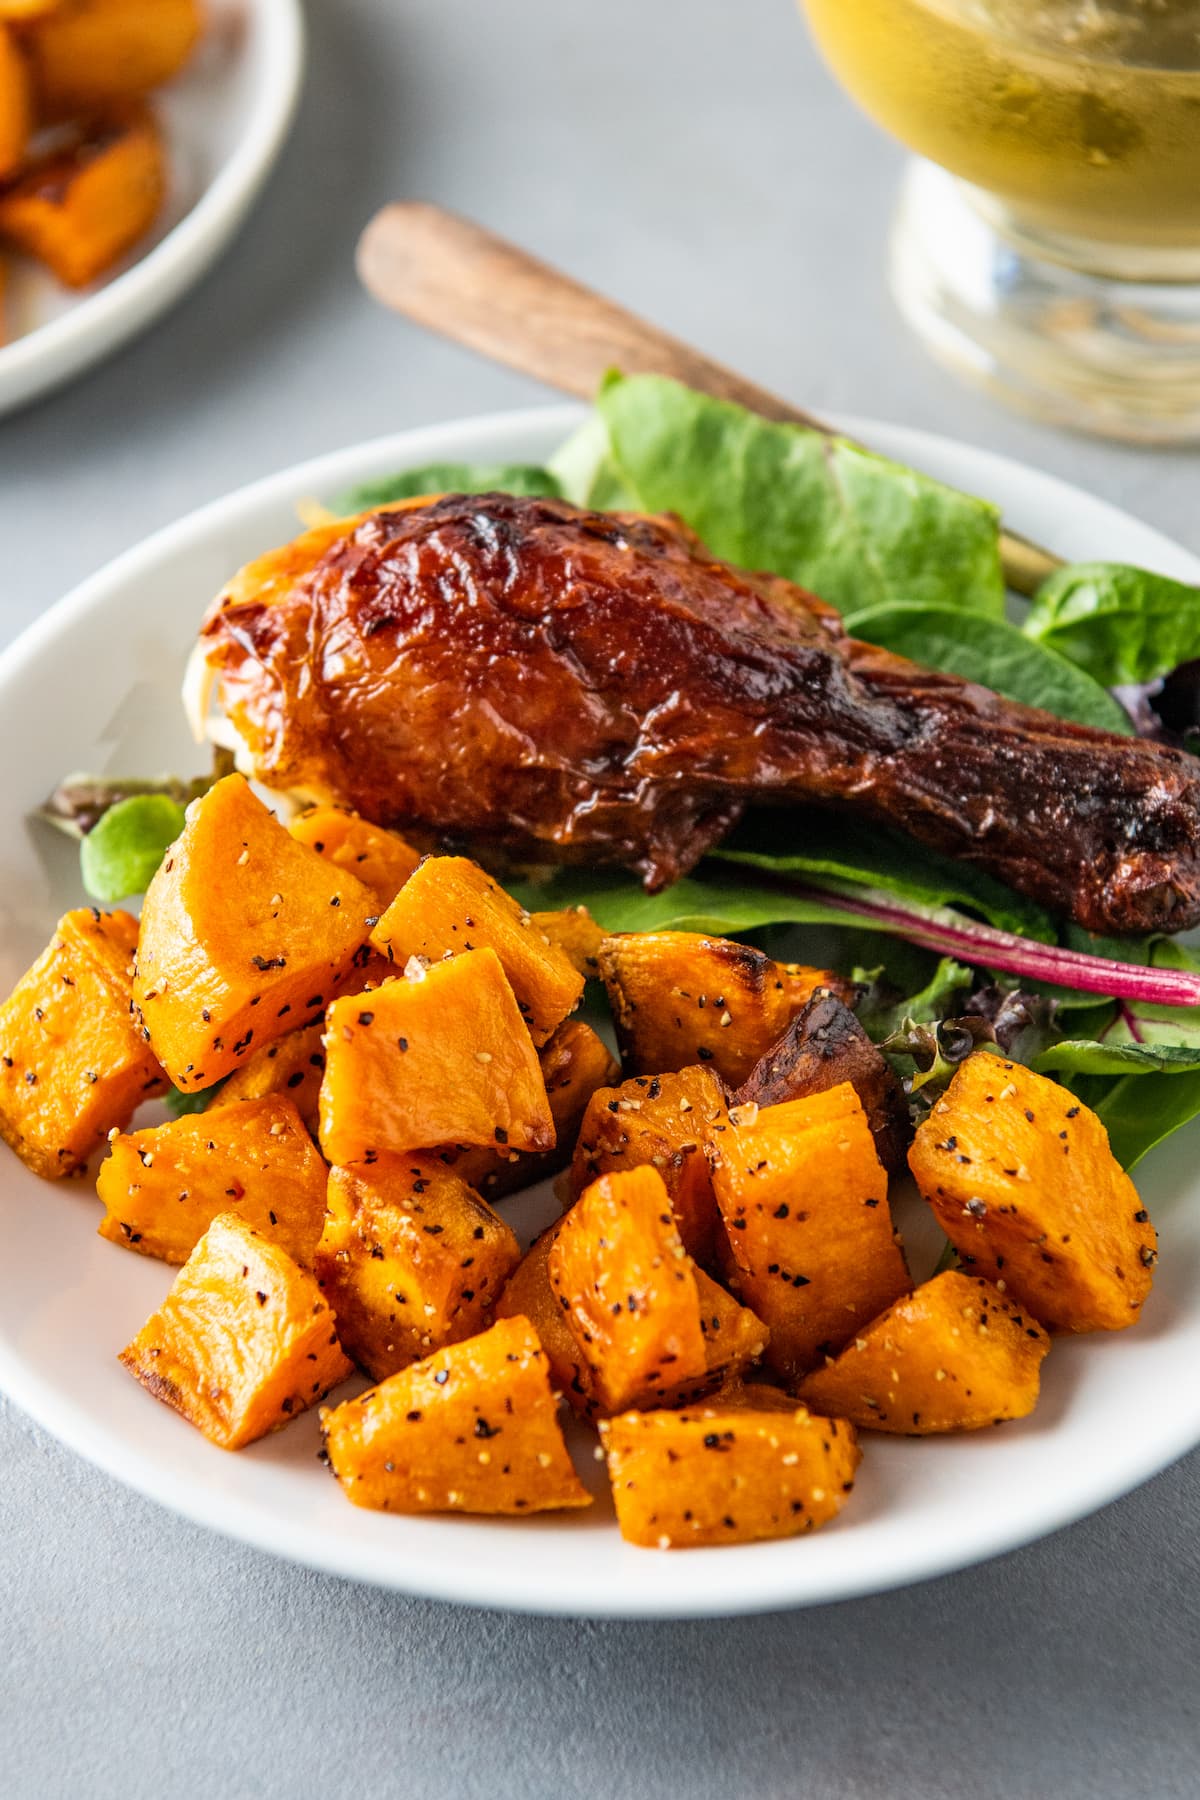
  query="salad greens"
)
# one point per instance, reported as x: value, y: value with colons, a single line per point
x: 941, y: 997
x: 448, y: 478
x: 799, y: 842
x: 121, y: 852
x: 1139, y: 1114
x: 1123, y: 626
x: 995, y: 654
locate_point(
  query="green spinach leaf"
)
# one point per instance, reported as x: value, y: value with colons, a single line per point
x: 1139, y: 1114
x: 1081, y: 1056
x: 994, y: 653
x: 801, y: 842
x: 1123, y: 625
x: 448, y: 478
x: 708, y: 902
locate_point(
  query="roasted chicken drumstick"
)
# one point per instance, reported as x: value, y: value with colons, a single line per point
x: 579, y: 686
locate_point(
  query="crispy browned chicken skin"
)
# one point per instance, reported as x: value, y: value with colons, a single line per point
x: 595, y: 687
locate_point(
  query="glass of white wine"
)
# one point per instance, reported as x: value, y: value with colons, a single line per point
x: 1048, y: 236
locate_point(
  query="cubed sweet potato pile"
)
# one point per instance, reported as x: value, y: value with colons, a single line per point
x: 379, y: 1047
x: 84, y: 166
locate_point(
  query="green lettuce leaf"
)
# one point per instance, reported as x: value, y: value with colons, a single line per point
x: 994, y: 653
x: 855, y: 528
x: 1123, y: 625
x: 447, y: 478
x: 940, y: 998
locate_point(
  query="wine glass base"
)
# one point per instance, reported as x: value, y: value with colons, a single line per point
x: 1041, y: 323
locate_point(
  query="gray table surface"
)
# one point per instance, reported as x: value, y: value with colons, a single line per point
x: 693, y: 157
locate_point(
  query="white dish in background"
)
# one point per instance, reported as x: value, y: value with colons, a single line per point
x: 225, y: 119
x: 94, y: 685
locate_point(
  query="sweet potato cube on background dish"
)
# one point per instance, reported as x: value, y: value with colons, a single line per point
x: 474, y: 1428
x: 380, y: 859
x: 438, y: 1056
x: 73, y: 1064
x: 575, y: 1062
x: 450, y: 905
x: 79, y: 208
x: 90, y: 53
x: 411, y: 1259
x: 292, y: 1067
x: 729, y: 1472
x: 953, y: 1356
x: 823, y: 1046
x: 243, y: 1342
x: 245, y: 934
x: 574, y: 931
x: 628, y: 1289
x: 804, y: 1200
x: 1025, y: 1186
x: 163, y: 1187
x: 665, y: 1122
x: 680, y: 998
x: 16, y: 101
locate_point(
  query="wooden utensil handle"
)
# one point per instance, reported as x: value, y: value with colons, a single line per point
x: 453, y: 277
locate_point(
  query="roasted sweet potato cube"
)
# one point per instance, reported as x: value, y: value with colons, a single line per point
x: 82, y: 206
x: 734, y: 1338
x: 628, y: 1289
x: 293, y: 1066
x: 574, y: 931
x: 954, y: 1356
x: 823, y: 1046
x: 440, y: 1055
x: 664, y: 1122
x: 72, y: 1062
x: 411, y: 1259
x: 163, y: 1187
x: 473, y: 1428
x: 16, y: 101
x: 727, y: 1472
x: 380, y: 859
x: 450, y: 905
x: 528, y: 1295
x: 244, y: 1340
x: 370, y: 972
x: 90, y: 53
x: 245, y: 934
x: 574, y: 1063
x: 679, y: 998
x: 804, y: 1201
x: 1025, y: 1186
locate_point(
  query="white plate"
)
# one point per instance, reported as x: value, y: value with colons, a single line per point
x: 94, y: 685
x: 225, y: 118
